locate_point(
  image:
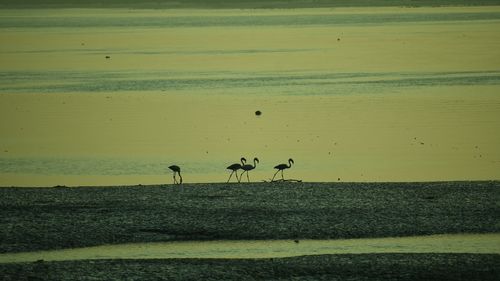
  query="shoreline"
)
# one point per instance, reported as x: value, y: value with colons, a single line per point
x: 195, y: 184
x: 293, y: 4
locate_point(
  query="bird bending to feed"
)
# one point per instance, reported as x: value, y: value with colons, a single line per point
x: 176, y: 169
x: 235, y: 167
x: 249, y: 167
x: 282, y: 167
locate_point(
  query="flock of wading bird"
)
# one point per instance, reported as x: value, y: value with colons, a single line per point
x: 236, y: 167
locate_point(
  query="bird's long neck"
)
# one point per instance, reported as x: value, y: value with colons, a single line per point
x: 243, y: 161
x: 254, y: 163
x: 289, y: 164
x: 180, y: 177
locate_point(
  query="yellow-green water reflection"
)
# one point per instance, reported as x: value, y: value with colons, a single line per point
x: 414, y: 100
x: 452, y: 243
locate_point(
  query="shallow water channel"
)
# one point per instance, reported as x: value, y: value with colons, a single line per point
x: 449, y: 243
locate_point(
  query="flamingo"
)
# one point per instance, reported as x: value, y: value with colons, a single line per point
x: 282, y: 167
x: 176, y: 169
x: 249, y: 167
x: 235, y: 167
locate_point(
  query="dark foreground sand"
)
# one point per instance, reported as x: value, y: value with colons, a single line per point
x: 54, y: 218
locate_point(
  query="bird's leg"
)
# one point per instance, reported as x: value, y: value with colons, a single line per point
x: 283, y: 178
x: 248, y: 178
x: 231, y: 176
x: 275, y: 175
x: 236, y: 174
x: 175, y: 180
x: 241, y: 175
x: 180, y: 178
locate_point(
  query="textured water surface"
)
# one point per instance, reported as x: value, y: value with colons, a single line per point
x: 355, y: 94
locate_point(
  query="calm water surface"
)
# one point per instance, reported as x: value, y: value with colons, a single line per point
x: 386, y: 94
x: 452, y: 243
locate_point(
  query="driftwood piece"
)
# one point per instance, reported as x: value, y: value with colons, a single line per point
x: 281, y: 180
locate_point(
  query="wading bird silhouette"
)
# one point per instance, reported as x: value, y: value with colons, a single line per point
x: 282, y: 167
x: 176, y: 169
x: 249, y: 167
x: 235, y: 167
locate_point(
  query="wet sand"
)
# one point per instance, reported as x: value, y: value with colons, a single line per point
x: 63, y: 218
x: 58, y: 218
